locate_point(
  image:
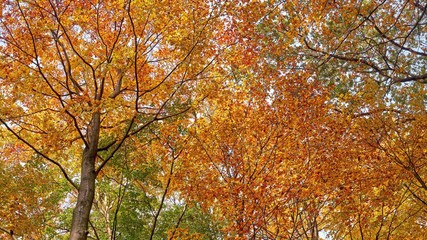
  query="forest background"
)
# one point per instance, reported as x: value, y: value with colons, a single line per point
x: 160, y: 119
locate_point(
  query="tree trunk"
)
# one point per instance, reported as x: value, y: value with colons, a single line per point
x: 80, y: 222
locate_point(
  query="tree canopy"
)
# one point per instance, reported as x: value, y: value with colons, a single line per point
x: 141, y: 119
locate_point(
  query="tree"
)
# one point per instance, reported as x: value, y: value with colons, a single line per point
x: 379, y: 47
x: 375, y: 104
x: 28, y: 205
x: 75, y: 74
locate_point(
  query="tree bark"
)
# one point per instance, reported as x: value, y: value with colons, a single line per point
x: 80, y: 222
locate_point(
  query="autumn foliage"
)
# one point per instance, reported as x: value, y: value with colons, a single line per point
x: 213, y: 119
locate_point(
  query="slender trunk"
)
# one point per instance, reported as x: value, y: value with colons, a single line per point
x: 109, y: 230
x: 107, y: 220
x: 315, y: 229
x: 80, y: 222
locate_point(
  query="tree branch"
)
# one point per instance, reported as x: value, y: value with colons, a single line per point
x: 40, y: 153
x: 178, y: 222
x: 415, y: 195
x: 10, y: 233
x: 174, y: 157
